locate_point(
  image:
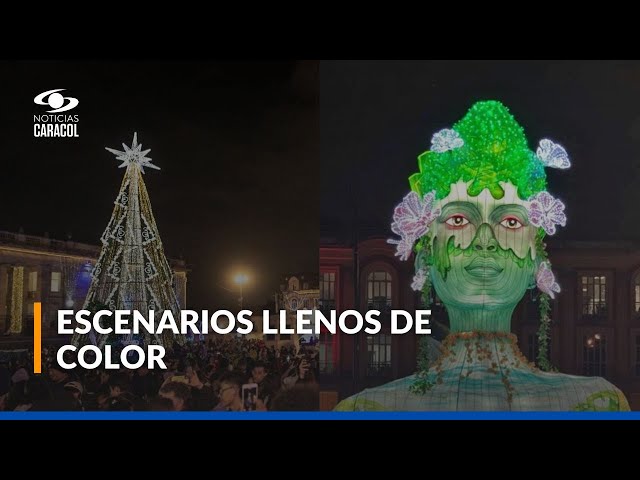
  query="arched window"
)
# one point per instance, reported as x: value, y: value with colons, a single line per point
x: 294, y: 283
x: 294, y: 304
x: 378, y: 290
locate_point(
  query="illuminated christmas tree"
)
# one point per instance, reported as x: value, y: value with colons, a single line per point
x: 132, y: 271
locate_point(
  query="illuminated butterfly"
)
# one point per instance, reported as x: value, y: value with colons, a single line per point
x: 552, y: 154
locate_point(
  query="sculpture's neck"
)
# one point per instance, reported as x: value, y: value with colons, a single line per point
x: 482, y: 352
x: 483, y: 319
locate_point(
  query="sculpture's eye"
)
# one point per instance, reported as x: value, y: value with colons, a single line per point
x: 457, y: 221
x: 512, y: 223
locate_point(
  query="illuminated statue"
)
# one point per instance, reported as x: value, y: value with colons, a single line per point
x: 475, y: 218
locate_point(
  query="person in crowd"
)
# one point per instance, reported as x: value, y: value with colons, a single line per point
x: 60, y: 398
x: 260, y: 376
x: 179, y: 394
x: 203, y: 396
x: 229, y: 394
x: 76, y: 390
x: 119, y: 384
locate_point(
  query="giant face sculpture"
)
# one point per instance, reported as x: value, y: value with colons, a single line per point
x: 476, y: 217
x: 475, y: 220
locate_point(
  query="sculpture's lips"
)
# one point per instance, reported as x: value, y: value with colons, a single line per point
x: 483, y: 267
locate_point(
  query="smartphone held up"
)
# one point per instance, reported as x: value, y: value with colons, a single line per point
x: 250, y: 396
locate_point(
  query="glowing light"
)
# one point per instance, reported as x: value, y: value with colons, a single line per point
x: 240, y: 279
x: 446, y: 140
x: 419, y: 280
x: 404, y: 247
x: 411, y: 220
x: 546, y: 281
x: 134, y: 155
x: 552, y: 155
x: 412, y: 217
x: 546, y: 212
x: 17, y: 300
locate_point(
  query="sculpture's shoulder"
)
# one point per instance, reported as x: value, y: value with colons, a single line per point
x: 593, y: 394
x: 552, y: 391
x: 521, y: 390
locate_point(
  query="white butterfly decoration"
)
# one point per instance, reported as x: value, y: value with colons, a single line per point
x: 552, y: 154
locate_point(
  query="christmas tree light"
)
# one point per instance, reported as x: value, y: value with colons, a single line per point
x: 132, y: 272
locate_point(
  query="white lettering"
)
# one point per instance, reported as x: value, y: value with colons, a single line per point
x: 370, y: 317
x: 343, y: 325
x: 422, y: 321
x: 60, y: 357
x: 394, y: 321
x: 248, y: 324
x: 63, y: 321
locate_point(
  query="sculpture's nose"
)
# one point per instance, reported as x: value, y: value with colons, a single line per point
x: 484, y: 240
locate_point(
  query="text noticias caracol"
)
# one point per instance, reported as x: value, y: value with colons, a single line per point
x: 127, y: 322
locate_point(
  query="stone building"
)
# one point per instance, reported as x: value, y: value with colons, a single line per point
x: 56, y: 273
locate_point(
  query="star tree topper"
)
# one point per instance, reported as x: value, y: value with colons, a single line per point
x: 134, y: 155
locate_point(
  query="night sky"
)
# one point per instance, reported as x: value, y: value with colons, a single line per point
x: 378, y: 116
x: 237, y: 143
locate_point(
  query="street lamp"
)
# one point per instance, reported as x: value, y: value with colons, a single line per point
x: 241, y: 279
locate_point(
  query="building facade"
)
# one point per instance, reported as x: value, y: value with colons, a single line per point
x: 595, y: 326
x: 297, y: 292
x: 54, y: 272
x: 349, y: 363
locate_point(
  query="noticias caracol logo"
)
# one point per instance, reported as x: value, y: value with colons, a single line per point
x: 56, y: 101
x: 55, y: 125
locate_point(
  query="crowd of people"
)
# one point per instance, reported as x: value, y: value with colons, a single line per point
x: 222, y: 374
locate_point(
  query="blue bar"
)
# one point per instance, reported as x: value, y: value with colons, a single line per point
x: 319, y: 415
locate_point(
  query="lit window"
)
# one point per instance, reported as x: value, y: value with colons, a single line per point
x: 379, y: 352
x: 594, y: 296
x: 56, y: 278
x: 327, y: 291
x: 379, y: 290
x: 33, y: 281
